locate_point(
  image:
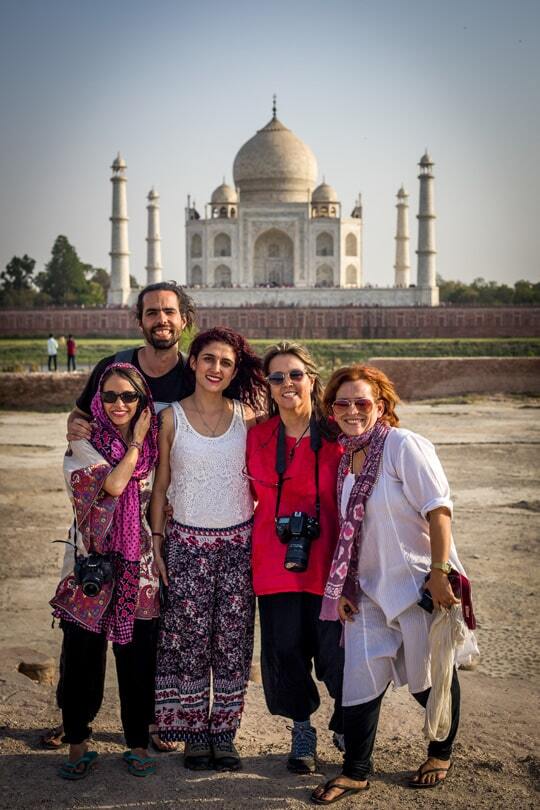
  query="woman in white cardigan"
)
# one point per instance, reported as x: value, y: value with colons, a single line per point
x: 395, y: 532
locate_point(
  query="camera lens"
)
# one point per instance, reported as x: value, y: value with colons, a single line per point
x: 91, y: 588
x: 296, y: 558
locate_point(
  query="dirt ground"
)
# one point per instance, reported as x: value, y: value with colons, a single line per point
x: 490, y: 450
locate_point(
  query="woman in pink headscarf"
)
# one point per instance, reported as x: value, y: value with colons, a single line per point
x: 109, y: 589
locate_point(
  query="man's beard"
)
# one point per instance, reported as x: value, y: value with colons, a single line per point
x: 162, y: 343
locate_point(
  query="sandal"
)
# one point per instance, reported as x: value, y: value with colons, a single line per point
x: 146, y: 766
x: 80, y: 768
x: 226, y: 757
x: 52, y: 738
x: 347, y: 790
x: 198, y: 757
x: 417, y: 785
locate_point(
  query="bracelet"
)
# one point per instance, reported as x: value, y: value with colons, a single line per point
x: 138, y: 445
x: 158, y: 534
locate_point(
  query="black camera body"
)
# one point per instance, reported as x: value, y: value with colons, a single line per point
x: 297, y: 531
x: 92, y: 573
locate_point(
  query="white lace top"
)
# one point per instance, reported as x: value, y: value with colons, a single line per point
x: 208, y: 488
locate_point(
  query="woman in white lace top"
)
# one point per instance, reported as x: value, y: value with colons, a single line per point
x: 204, y: 555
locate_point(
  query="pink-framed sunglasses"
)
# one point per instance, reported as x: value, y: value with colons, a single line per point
x: 362, y: 405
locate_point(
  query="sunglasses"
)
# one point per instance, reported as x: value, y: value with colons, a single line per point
x: 127, y: 397
x: 361, y: 404
x: 279, y: 377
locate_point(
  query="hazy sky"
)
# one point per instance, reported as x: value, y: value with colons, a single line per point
x: 179, y: 86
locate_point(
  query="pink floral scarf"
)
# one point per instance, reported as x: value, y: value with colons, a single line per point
x: 343, y: 577
x: 111, y: 526
x: 107, y: 439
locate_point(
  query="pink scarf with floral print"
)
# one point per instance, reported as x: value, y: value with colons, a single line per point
x: 107, y: 439
x: 343, y: 576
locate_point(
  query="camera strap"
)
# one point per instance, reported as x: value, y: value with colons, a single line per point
x: 281, y: 461
x: 68, y: 543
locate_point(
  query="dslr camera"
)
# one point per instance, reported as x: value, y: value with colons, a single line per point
x: 297, y: 531
x: 92, y: 573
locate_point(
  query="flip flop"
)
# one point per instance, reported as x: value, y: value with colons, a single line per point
x: 130, y: 759
x: 427, y: 785
x: 51, y: 740
x: 70, y: 770
x: 347, y: 791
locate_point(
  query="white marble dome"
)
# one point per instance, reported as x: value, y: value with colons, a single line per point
x: 324, y: 194
x: 275, y: 166
x: 224, y: 194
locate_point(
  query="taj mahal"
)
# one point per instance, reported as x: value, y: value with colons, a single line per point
x: 277, y: 237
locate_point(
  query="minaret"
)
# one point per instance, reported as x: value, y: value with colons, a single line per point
x: 153, y: 240
x: 119, y: 290
x: 357, y: 210
x: 403, y: 262
x: 426, y: 266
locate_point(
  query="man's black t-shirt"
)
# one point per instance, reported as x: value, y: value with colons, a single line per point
x: 165, y: 389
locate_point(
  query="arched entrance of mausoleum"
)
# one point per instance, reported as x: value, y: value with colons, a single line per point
x: 273, y: 259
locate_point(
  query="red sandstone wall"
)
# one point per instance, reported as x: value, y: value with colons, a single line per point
x: 433, y: 377
x: 272, y: 323
x: 41, y: 392
x: 415, y: 378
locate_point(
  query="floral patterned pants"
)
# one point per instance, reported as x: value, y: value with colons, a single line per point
x: 206, y: 632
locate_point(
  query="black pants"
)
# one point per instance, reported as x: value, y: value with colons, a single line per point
x: 361, y: 727
x: 52, y: 362
x: 293, y: 638
x: 94, y: 696
x: 84, y: 663
x: 71, y: 362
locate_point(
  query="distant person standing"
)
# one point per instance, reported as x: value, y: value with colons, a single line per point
x: 71, y: 347
x: 52, y: 352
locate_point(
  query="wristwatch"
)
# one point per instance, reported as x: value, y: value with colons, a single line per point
x: 445, y: 567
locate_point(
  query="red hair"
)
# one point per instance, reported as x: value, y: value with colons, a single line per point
x: 382, y: 388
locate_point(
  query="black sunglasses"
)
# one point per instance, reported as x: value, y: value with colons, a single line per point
x: 127, y: 397
x: 279, y: 377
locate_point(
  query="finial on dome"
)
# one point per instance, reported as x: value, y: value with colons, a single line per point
x: 274, y: 107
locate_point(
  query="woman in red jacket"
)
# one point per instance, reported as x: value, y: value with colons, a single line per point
x: 292, y: 464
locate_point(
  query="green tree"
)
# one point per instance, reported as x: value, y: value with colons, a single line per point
x: 18, y: 273
x: 526, y: 293
x: 488, y: 293
x: 65, y: 278
x: 455, y: 292
x: 100, y: 276
x: 16, y: 283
